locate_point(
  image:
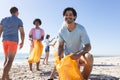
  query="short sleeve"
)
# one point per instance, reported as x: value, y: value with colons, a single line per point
x: 84, y: 37
x: 20, y: 23
x: 1, y: 22
x: 60, y: 38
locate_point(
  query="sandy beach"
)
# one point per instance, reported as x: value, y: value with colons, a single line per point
x: 105, y: 68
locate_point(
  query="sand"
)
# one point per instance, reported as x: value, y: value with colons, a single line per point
x: 104, y: 68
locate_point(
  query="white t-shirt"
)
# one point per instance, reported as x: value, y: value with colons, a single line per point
x: 37, y: 34
x: 47, y: 42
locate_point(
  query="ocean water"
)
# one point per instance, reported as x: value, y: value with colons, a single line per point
x: 22, y: 57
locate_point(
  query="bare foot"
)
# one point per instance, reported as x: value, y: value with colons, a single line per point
x: 47, y: 64
x: 30, y: 69
x: 38, y: 69
x: 8, y: 78
x: 43, y: 63
x: 50, y: 79
x: 3, y: 77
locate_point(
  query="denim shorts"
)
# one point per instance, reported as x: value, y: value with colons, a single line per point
x: 47, y: 49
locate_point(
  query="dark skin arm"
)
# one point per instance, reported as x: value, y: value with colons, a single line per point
x: 60, y: 49
x: 30, y: 37
x: 85, y: 50
x: 42, y: 38
x: 0, y: 30
x: 22, y: 36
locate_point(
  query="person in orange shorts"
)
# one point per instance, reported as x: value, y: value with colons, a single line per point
x: 9, y: 27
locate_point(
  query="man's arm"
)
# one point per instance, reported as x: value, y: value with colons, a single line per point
x: 0, y: 30
x: 60, y: 49
x: 22, y: 36
x: 85, y: 50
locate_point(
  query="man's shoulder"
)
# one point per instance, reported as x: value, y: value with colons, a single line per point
x: 5, y: 18
x: 12, y: 18
x: 62, y: 29
x: 20, y: 20
x: 80, y: 26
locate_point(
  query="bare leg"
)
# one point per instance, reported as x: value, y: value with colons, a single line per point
x: 31, y: 49
x: 37, y: 64
x: 88, y: 65
x: 44, y: 60
x: 52, y: 75
x: 47, y: 55
x: 30, y: 65
x: 5, y: 59
x: 8, y: 65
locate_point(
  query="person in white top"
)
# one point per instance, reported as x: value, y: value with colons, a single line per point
x: 47, y: 48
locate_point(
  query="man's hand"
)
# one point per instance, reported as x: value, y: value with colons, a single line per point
x: 85, y: 50
x: 20, y: 45
x: 22, y: 35
x: 60, y: 49
x: 60, y: 57
x: 75, y: 56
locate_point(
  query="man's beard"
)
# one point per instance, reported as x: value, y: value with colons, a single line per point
x: 69, y: 22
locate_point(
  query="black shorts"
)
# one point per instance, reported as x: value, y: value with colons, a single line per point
x: 47, y: 49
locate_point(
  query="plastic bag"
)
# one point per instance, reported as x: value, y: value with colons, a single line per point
x: 68, y: 69
x: 36, y: 53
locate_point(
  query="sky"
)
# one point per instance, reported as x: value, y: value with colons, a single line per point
x: 101, y: 19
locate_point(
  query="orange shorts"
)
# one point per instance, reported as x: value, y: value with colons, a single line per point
x: 10, y: 46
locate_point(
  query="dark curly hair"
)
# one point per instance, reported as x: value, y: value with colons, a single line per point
x: 47, y: 36
x: 37, y: 20
x: 70, y: 9
x: 13, y: 10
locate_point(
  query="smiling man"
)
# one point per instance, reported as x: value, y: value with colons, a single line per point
x: 73, y: 38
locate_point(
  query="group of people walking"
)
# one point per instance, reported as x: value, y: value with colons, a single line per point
x: 72, y: 38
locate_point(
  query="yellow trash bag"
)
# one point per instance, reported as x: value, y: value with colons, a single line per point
x: 55, y: 55
x: 55, y: 50
x: 36, y: 52
x: 68, y: 69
